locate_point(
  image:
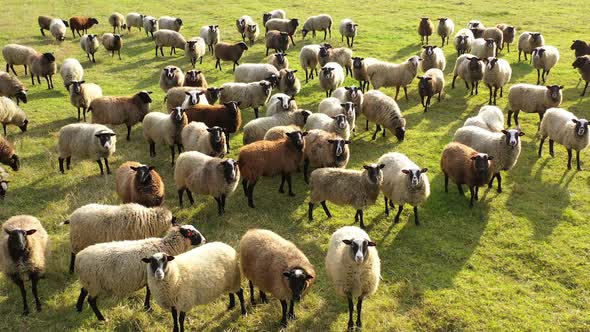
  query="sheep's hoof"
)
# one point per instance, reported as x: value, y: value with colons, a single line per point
x: 26, y: 312
x: 292, y: 316
x: 39, y: 308
x: 148, y: 309
x: 499, y: 190
x: 281, y: 190
x: 284, y: 324
x: 292, y: 194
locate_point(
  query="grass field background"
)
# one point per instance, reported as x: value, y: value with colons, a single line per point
x: 516, y: 261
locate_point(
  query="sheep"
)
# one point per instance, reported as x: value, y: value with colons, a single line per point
x: 195, y: 78
x: 90, y: 44
x: 331, y: 77
x: 211, y: 35
x: 112, y: 43
x: 279, y: 60
x: 288, y: 82
x: 384, y: 74
x: 545, y: 58
x: 341, y: 55
x: 353, y: 267
x: 532, y: 99
x: 117, y: 21
x: 8, y: 154
x: 477, y: 28
x: 445, y: 29
x: 196, y: 136
x: 384, y: 111
x: 489, y: 118
x: 484, y: 48
x: 150, y: 25
x: 10, y: 113
x: 464, y: 165
x: 359, y: 71
x: 86, y: 141
x: 11, y: 87
x: 195, y: 49
x: 582, y: 63
x: 277, y: 13
x: 71, y: 70
x: 134, y: 20
x: 283, y: 25
x: 45, y: 23
x: 254, y: 72
x: 528, y: 41
x: 81, y: 23
x: 359, y: 189
x: 170, y: 23
x: 566, y: 129
x: 309, y: 60
x: 508, y: 33
x: 201, y: 174
x: 163, y: 128
x: 276, y: 266
x: 581, y: 47
x: 352, y: 94
x: 98, y: 223
x: 42, y: 65
x: 229, y: 52
x: 141, y: 184
x: 256, y: 129
x: 3, y: 183
x: 279, y: 132
x: 333, y: 106
x: 269, y: 158
x: 497, y: 35
x: 277, y: 40
x: 279, y: 103
x: 254, y: 95
x: 115, y: 268
x: 15, y: 54
x: 432, y: 57
x: 334, y: 124
x: 216, y: 272
x: 425, y: 29
x: 323, y: 149
x: 127, y: 110
x: 252, y: 32
x: 168, y: 38
x: 505, y: 146
x: 170, y: 77
x: 463, y: 40
x: 82, y: 94
x: 242, y: 24
x: 471, y: 70
x: 431, y: 83
x: 24, y: 247
x: 226, y: 116
x: 322, y: 22
x: 177, y: 96
x: 496, y: 75
x: 58, y: 29
x: 348, y: 29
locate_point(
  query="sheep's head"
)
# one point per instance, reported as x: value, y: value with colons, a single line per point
x: 230, y: 170
x: 49, y: 57
x: 374, y: 173
x: 578, y: 44
x: 91, y: 38
x: 3, y: 188
x: 490, y: 42
x: 105, y: 139
x: 359, y: 249
x: 93, y: 20
x: 296, y: 138
x: 290, y: 76
x: 491, y: 63
x: 424, y: 20
x: 214, y: 94
x: 429, y: 50
x: 304, y: 115
x: 17, y: 242
x: 554, y: 91
x: 294, y: 23
x: 178, y: 22
x: 348, y: 108
x: 474, y: 24
x: 323, y: 52
x: 463, y: 40
x: 143, y: 174
x: 191, y: 233
x: 442, y: 19
x: 285, y: 102
x: 273, y: 79
x: 536, y: 36
x: 304, y: 33
x: 216, y: 138
x: 21, y: 95
x: 400, y: 133
x: 424, y: 82
x: 510, y: 29
x: 158, y: 265
x: 338, y: 147
x: 75, y: 86
x: 481, y: 164
x: 192, y: 75
x: 191, y: 45
x: 283, y: 38
x: 415, y: 176
x: 14, y: 162
x: 581, y: 126
x: 415, y: 60
x: 177, y: 114
x: 170, y: 71
x: 242, y: 46
x: 144, y: 96
x: 340, y: 121
x: 23, y: 127
x: 353, y: 91
x: 193, y: 96
x: 357, y: 62
x: 351, y: 27
x: 475, y: 63
x: 327, y: 72
x: 513, y: 137
x: 280, y: 58
x: 298, y: 281
x: 153, y: 22
x: 66, y: 23
x: 232, y: 106
x: 580, y: 61
x: 117, y: 37
x: 266, y: 87
x: 241, y: 23
x: 252, y: 27
x: 266, y: 17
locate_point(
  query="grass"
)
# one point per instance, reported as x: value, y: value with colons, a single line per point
x: 517, y: 261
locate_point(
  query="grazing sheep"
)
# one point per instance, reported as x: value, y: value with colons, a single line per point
x: 254, y: 95
x: 277, y: 13
x: 127, y: 110
x: 45, y: 24
x: 359, y: 189
x: 90, y: 44
x: 508, y: 33
x: 112, y: 43
x: 171, y: 77
x: 322, y: 22
x: 82, y: 94
x: 170, y: 23
x: 150, y: 25
x: 81, y: 23
x: 229, y: 52
x: 242, y: 24
x: 496, y: 75
x: 471, y: 70
x: 566, y: 129
x: 279, y: 60
x: 42, y: 65
x: 489, y: 118
x: 195, y: 49
x: 463, y: 40
x: 279, y: 103
x: 497, y: 35
x: 384, y: 111
x: 11, y: 114
x: 309, y: 60
x: 115, y: 268
x: 168, y: 38
x: 582, y: 48
x: 3, y: 183
x: 134, y: 20
x: 276, y: 40
x: 545, y: 58
x: 11, y: 87
x: 359, y: 71
x: 331, y: 77
x: 255, y: 72
x: 323, y: 149
x: 15, y: 54
x: 226, y: 116
x: 341, y: 55
x: 163, y: 128
x: 58, y: 30
x: 141, y: 184
x: 117, y: 21
x: 432, y: 83
x: 288, y: 82
x: 432, y: 57
x: 350, y: 94
x: 252, y: 32
x: 8, y: 154
x: 86, y: 141
x: 71, y: 70
x: 333, y: 124
x: 484, y: 48
x: 445, y: 29
x: 532, y: 99
x: 333, y: 106
x: 24, y: 246
x: 211, y: 35
x: 283, y: 25
x: 201, y: 174
x: 528, y: 41
x: 582, y: 63
x: 348, y: 29
x: 425, y: 29
x: 195, y: 78
x: 385, y: 74
x: 276, y: 266
x: 196, y: 136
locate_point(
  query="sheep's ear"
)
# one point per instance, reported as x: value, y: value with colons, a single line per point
x: 151, y: 168
x: 174, y: 221
x: 134, y: 168
x: 287, y: 273
x: 82, y: 82
x: 331, y: 141
x: 149, y: 92
x: 371, y: 244
x: 304, y: 133
x: 145, y: 260
x: 521, y: 133
x: 170, y: 258
x: 575, y: 121
x: 381, y: 166
x: 187, y: 93
x: 347, y: 242
x: 490, y: 157
x: 342, y: 105
x: 419, y: 77
x: 366, y: 167
x: 561, y: 87
x: 31, y: 231
x: 405, y: 171
x: 505, y: 132
x: 473, y: 157
x: 309, y: 276
x: 424, y: 47
x: 6, y: 231
x: 294, y: 71
x: 424, y: 170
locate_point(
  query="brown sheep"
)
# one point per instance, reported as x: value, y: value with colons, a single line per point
x: 466, y: 166
x: 141, y: 184
x: 582, y: 48
x: 81, y: 23
x: 226, y: 116
x: 583, y: 65
x: 8, y: 154
x: 11, y: 87
x: 195, y: 78
x: 425, y: 29
x: 430, y: 84
x: 229, y: 52
x: 277, y: 40
x: 127, y: 110
x: 42, y: 65
x: 269, y: 158
x: 508, y: 33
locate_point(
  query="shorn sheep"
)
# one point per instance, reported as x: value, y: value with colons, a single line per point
x: 24, y: 245
x: 42, y: 65
x: 15, y: 54
x: 82, y: 94
x: 432, y: 57
x: 430, y: 84
x: 112, y: 43
x: 89, y: 44
x: 425, y: 29
x: 227, y: 116
x: 211, y: 35
x: 127, y: 110
x: 86, y: 141
x: 566, y: 129
x: 545, y: 58
x: 496, y: 75
x: 528, y: 41
x: 384, y: 111
x: 254, y: 95
x: 508, y: 33
x: 331, y: 77
x: 257, y: 128
x: 229, y: 52
x: 11, y: 114
x: 489, y: 118
x: 150, y: 25
x: 195, y: 49
x: 359, y: 189
x: 353, y: 267
x: 349, y: 29
x: 11, y: 87
x: 324, y: 149
x: 163, y: 128
x: 284, y: 25
x: 445, y: 29
x: 532, y: 99
x: 471, y: 70
x: 196, y: 136
x: 138, y: 183
x: 463, y: 40
x: 322, y: 22
x: 277, y: 41
x: 171, y: 77
x: 168, y: 38
x: 71, y: 70
x: 276, y: 266
x: 81, y: 23
x: 385, y: 74
x: 8, y: 154
x: 117, y: 21
x: 582, y: 63
x: 134, y: 20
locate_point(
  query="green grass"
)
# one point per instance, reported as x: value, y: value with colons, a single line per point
x: 517, y: 261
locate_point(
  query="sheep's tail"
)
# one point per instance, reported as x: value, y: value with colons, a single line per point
x: 66, y: 222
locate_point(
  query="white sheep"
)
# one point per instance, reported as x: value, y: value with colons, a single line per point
x: 195, y: 49
x: 86, y: 141
x: 171, y: 77
x: 496, y: 75
x: 331, y: 77
x: 544, y: 57
x: 432, y: 57
x: 10, y: 113
x: 322, y: 22
x: 531, y: 98
x: 384, y: 111
x: 384, y: 74
x: 352, y: 94
x: 168, y: 38
x: 470, y: 69
x: 134, y: 20
x: 117, y: 21
x: 71, y: 70
x: 277, y: 13
x: 252, y: 33
x: 322, y: 149
x: 528, y: 41
x: 211, y: 35
x: 566, y: 129
x: 489, y: 118
x: 348, y: 29
x: 170, y: 23
x: 333, y: 124
x: 15, y: 54
x: 340, y: 55
x: 150, y: 25
x: 309, y: 60
x: 164, y: 128
x: 254, y: 94
x: 484, y: 48
x: 463, y: 40
x: 280, y: 102
x: 254, y: 72
x: 257, y: 128
x: 333, y: 106
x: 82, y: 94
x: 58, y: 29
x: 445, y: 29
x: 90, y: 44
x: 196, y: 136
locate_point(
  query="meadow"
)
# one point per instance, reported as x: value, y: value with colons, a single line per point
x: 517, y: 261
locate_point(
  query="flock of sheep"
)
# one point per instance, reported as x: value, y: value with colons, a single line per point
x: 111, y: 245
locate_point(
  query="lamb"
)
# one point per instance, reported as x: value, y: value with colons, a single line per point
x: 134, y: 20
x: 112, y: 43
x: 532, y: 99
x: 276, y: 40
x: 333, y: 107
x: 98, y: 223
x: 195, y: 78
x: 71, y: 70
x: 45, y: 23
x: 3, y: 183
x: 217, y: 272
x: 425, y: 29
x: 229, y: 52
x: 309, y: 59
x: 497, y: 35
x: 353, y: 267
x: 496, y: 75
x: 279, y: 103
x: 348, y: 29
x: 8, y: 154
x: 127, y: 110
x: 11, y: 87
x: 508, y: 33
x: 58, y: 30
x: 242, y: 24
x: 431, y: 83
x: 505, y: 146
x: 150, y: 25
x: 464, y: 165
x: 581, y: 47
x: 252, y: 32
x: 196, y: 136
x: 15, y: 54
x: 463, y: 40
x: 115, y: 268
x: 471, y: 70
x: 254, y: 95
x: 359, y: 189
x: 334, y: 124
x: 582, y: 63
x: 201, y: 174
x: 279, y: 60
x: 359, y: 71
x: 323, y: 149
x: 170, y: 23
x: 275, y: 266
x: 170, y: 77
x: 384, y: 74
x: 269, y: 158
x: 277, y: 13
x: 10, y: 113
x: 566, y: 129
x: 141, y: 184
x: 255, y: 72
x: 445, y: 29
x: 165, y: 129
x: 352, y: 94
x: 90, y: 44
x: 331, y: 77
x: 528, y: 41
x: 195, y: 49
x: 489, y: 118
x: 82, y: 94
x: 322, y: 22
x: 168, y: 38
x: 24, y: 247
x: 211, y: 35
x: 226, y: 116
x: 288, y: 82
x: 42, y: 65
x: 81, y: 23
x: 117, y: 21
x: 484, y: 48
x: 545, y: 58
x: 384, y: 111
x: 432, y: 57
x: 284, y: 25
x: 279, y: 132
x: 86, y: 141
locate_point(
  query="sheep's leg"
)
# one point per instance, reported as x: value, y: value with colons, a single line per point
x: 288, y: 177
x: 546, y: 75
x: 180, y: 194
x: 146, y: 303
x: 161, y: 50
x: 292, y: 315
x: 367, y: 124
x: 251, y: 194
x: 92, y: 302
x: 252, y: 299
x: 350, y: 311
x: 179, y: 147
x: 476, y: 87
x: 472, y: 191
x: 453, y: 84
x: 460, y: 188
x: 292, y: 41
x: 235, y: 63
x: 256, y: 112
x: 190, y: 197
x: 359, y: 309
x: 352, y: 41
x: 100, y: 165
x: 223, y: 202
x: 427, y: 104
x: 284, y: 318
x: 383, y: 132
x: 551, y: 142
x: 510, y: 112
x: 306, y: 170
x: 171, y: 50
x: 569, y: 158
x: 446, y: 183
x: 156, y: 49
x: 232, y: 301
x: 172, y: 153
x: 422, y: 102
x: 174, y: 319
x: 4, y: 126
x: 406, y: 92
x: 310, y: 212
x: 219, y: 209
x: 326, y: 211
x: 267, y: 51
x: 386, y: 205
x: 128, y: 132
x: 516, y: 118
x: 23, y: 292
x: 416, y: 220
x: 119, y: 54
x: 72, y: 262
x: 263, y: 298
x: 226, y: 139
x: 540, y: 153
x: 376, y: 131
x: 306, y: 76
x: 496, y: 95
x: 539, y: 76
x: 578, y: 161
x: 152, y: 146
x: 361, y: 219
x: 491, y: 183
x: 584, y: 92
x: 476, y: 189
x: 181, y: 318
x: 106, y: 162
x: 240, y: 294
x: 399, y: 212
x: 490, y: 100
x: 218, y: 64
x: 499, y: 177
x: 38, y: 79
x: 245, y: 186
x: 281, y: 187
x: 81, y: 298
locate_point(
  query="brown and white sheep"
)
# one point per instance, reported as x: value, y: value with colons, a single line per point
x: 425, y: 29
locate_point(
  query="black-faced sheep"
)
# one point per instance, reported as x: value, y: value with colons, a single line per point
x: 164, y: 129
x: 15, y: 54
x: 445, y: 29
x: 117, y: 21
x: 425, y: 29
x: 168, y: 38
x: 581, y: 47
x: 211, y: 35
x: 82, y: 94
x: 71, y: 70
x: 322, y: 22
x: 277, y: 41
x: 86, y: 141
x: 324, y: 149
x: 227, y: 116
x: 171, y: 77
x: 254, y: 95
x: 532, y: 99
x: 229, y: 52
x: 11, y: 87
x: 463, y: 40
x: 42, y: 65
x: 284, y: 25
x: 496, y: 75
x: 331, y: 77
x: 90, y: 44
x: 508, y: 33
x: 544, y: 58
x: 582, y: 63
x: 196, y: 136
x: 8, y: 154
x: 384, y: 111
x: 112, y: 43
x: 349, y: 29
x: 385, y: 74
x: 430, y: 84
x: 195, y: 49
x: 470, y: 69
x: 528, y: 41
x: 134, y: 20
x: 11, y: 114
x: 566, y: 129
x: 170, y: 23
x: 127, y: 110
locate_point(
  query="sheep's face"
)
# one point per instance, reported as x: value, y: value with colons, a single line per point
x: 512, y: 137
x: 143, y: 174
x: 17, y: 242
x: 243, y: 46
x: 415, y: 60
x: 232, y: 106
x: 290, y: 77
x: 170, y: 71
x: 491, y: 63
x: 578, y: 44
x: 327, y: 72
x: 216, y: 138
x: 490, y: 42
x: 145, y: 96
x: 348, y: 108
x: 294, y: 22
x: 153, y: 22
x: 305, y: 115
x: 273, y: 79
x: 280, y: 57
x: 284, y: 102
x: 177, y: 114
x: 252, y: 28
x: 359, y: 249
x: 351, y: 27
x: 298, y: 280
x: 14, y: 162
x: 400, y: 133
x: 304, y: 33
x: 442, y: 19
x: 538, y: 52
x: 190, y: 232
x: 580, y: 61
x: 193, y: 96
x: 339, y: 148
x: 284, y: 39
x: 93, y: 20
x: 475, y: 64
x: 24, y: 126
x: 214, y: 94
x: 77, y: 86
x: 3, y: 189
x: 357, y: 62
x: 481, y: 164
x: 48, y: 57
x: 554, y: 91
x: 424, y: 20
x: 323, y: 52
x: 22, y: 96
x: 473, y: 24
x: 463, y: 41
x: 581, y: 127
x: 266, y: 87
x: 241, y: 24
x: 230, y: 170
x: 414, y: 176
x: 429, y: 50
x: 66, y: 23
x: 341, y: 122
x: 178, y: 22
x: 191, y: 45
x: 158, y: 265
x: 424, y: 82
x: 266, y: 17
x: 106, y: 140
x: 117, y: 37
x: 296, y: 138
x: 353, y: 91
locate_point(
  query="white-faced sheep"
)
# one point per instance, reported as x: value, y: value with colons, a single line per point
x: 340, y: 55
x: 288, y: 82
x: 11, y: 87
x: 566, y: 129
x: 489, y: 118
x: 196, y: 136
x: 170, y: 23
x: 508, y: 33
x: 582, y: 63
x: 324, y: 149
x: 90, y: 44
x: 127, y: 110
x: 15, y: 54
x: 484, y: 48
x: 163, y: 128
x: 470, y: 69
x: 384, y: 74
x: 195, y: 49
x: 150, y: 25
x: 71, y: 70
x: 334, y: 124
x: 170, y: 77
x: 277, y: 41
x: 211, y: 35
x: 432, y: 57
x: 277, y: 13
x: 445, y: 29
x: 528, y: 41
x: 86, y: 141
x: 384, y: 111
x: 138, y: 183
x: 496, y: 75
x: 252, y: 32
x: 11, y: 114
x: 333, y: 106
x: 430, y: 84
x: 331, y: 77
x: 134, y: 20
x: 117, y: 21
x: 544, y: 58
x: 280, y: 103
x: 58, y: 30
x: 532, y: 99
x: 112, y: 43
x: 229, y: 52
x: 254, y: 94
x: 359, y: 71
x: 254, y: 72
x: 322, y: 22
x: 425, y: 29
x: 463, y: 40
x: 242, y: 24
x: 168, y: 38
x: 42, y: 65
x: 227, y: 116
x: 352, y: 94
x: 309, y: 60
x: 3, y: 183
x: 283, y: 25
x: 82, y: 94
x: 279, y: 60
x: 8, y: 154
x: 348, y: 29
